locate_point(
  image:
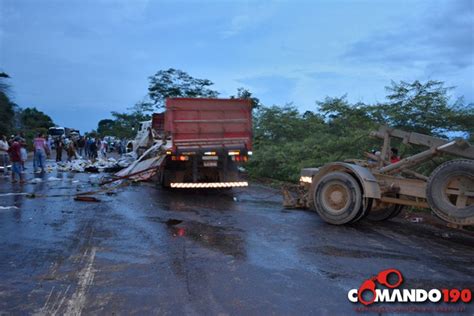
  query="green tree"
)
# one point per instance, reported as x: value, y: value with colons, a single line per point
x: 126, y: 124
x: 425, y: 108
x: 32, y: 118
x: 175, y: 83
x: 245, y: 94
x: 277, y: 124
x: 7, y: 112
x: 106, y: 127
x: 286, y: 140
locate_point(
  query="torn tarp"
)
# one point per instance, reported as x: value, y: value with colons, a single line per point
x: 147, y: 165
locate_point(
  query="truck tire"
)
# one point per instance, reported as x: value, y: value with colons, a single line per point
x: 165, y: 179
x: 337, y: 197
x: 450, y: 191
x: 364, y: 210
x: 383, y: 211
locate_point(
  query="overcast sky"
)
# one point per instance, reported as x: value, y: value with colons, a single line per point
x: 77, y: 60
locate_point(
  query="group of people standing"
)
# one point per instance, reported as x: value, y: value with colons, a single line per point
x: 96, y: 148
x: 88, y: 147
x: 13, y: 152
x: 74, y: 148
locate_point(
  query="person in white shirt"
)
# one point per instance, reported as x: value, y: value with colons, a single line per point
x: 4, y: 159
x: 103, y: 149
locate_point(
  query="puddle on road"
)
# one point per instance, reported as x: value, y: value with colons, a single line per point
x: 217, y: 238
x: 357, y: 253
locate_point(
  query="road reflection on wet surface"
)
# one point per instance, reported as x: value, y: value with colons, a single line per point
x: 148, y: 250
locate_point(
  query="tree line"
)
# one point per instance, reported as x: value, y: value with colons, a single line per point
x: 287, y: 139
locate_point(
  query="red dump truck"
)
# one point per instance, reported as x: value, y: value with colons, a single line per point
x: 209, y: 138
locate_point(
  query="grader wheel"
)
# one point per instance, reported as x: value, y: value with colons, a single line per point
x: 450, y: 191
x: 337, y: 197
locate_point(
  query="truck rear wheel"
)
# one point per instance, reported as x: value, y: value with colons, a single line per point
x: 450, y: 191
x: 364, y: 210
x: 382, y: 211
x: 337, y: 198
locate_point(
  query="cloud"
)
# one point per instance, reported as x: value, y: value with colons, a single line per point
x: 251, y: 18
x: 442, y: 41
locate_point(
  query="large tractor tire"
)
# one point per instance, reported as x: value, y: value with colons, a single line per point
x: 337, y: 197
x: 450, y: 191
x: 364, y: 210
x: 381, y: 211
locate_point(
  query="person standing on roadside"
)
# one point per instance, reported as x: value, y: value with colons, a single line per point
x: 71, y: 151
x: 4, y: 159
x: 98, y: 145
x: 103, y: 149
x: 40, y: 147
x: 15, y: 158
x: 86, y: 147
x: 58, y: 145
x: 49, y: 142
x: 81, y: 143
x: 93, y: 150
x: 24, y: 154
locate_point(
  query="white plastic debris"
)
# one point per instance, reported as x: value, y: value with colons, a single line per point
x: 13, y: 194
x: 8, y: 207
x: 81, y: 165
x: 94, y: 179
x: 36, y: 180
x: 53, y: 179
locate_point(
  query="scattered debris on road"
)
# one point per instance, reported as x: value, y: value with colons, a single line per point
x: 86, y: 198
x: 101, y: 165
x: 146, y: 165
x: 416, y: 219
x: 3, y: 208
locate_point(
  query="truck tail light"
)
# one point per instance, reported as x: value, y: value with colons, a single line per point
x: 240, y: 158
x: 179, y: 158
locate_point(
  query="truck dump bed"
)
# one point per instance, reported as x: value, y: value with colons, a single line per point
x: 209, y: 123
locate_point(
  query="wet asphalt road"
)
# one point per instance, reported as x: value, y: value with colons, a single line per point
x: 145, y: 250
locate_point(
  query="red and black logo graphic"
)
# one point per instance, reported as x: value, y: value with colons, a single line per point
x: 384, y: 288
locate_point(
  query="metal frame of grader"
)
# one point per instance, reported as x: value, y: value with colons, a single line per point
x: 345, y: 192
